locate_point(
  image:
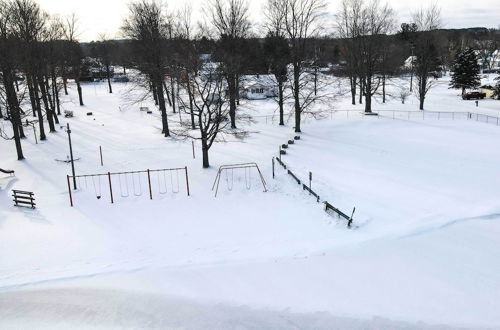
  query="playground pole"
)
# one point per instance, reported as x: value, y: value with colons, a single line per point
x: 71, y: 155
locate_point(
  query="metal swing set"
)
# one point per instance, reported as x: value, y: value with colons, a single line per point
x: 229, y: 176
x: 132, y: 183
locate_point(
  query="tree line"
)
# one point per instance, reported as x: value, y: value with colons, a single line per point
x: 40, y: 52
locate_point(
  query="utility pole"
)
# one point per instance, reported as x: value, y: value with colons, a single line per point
x: 71, y: 156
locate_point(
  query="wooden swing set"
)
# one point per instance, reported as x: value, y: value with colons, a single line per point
x: 135, y: 179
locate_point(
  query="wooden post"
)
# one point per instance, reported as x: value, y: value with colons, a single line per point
x: 194, y: 155
x: 351, y: 218
x: 100, y: 152
x: 149, y: 182
x: 310, y: 180
x: 187, y: 180
x: 110, y: 188
x: 69, y: 190
x: 273, y: 167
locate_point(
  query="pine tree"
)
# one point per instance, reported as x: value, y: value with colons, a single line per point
x: 465, y: 73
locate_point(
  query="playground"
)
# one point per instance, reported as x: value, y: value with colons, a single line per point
x: 426, y: 219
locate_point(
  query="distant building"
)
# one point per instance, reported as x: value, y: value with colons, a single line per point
x: 258, y: 87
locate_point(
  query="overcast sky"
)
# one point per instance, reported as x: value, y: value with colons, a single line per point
x: 98, y: 16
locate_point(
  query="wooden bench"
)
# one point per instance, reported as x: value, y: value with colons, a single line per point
x: 24, y: 198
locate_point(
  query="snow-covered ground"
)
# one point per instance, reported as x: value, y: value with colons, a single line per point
x: 424, y: 255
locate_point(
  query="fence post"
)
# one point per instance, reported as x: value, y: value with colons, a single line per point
x: 149, y: 183
x: 69, y: 190
x: 194, y: 155
x: 187, y: 180
x: 310, y: 181
x: 273, y: 167
x: 110, y: 188
x: 351, y: 218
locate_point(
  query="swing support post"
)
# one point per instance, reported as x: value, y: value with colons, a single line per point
x: 110, y: 188
x: 149, y: 183
x: 69, y: 190
x: 187, y: 180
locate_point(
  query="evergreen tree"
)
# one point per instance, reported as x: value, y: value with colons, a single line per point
x: 465, y: 71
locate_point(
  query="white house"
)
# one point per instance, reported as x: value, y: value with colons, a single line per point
x: 258, y: 87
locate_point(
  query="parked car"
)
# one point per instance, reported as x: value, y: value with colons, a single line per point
x: 473, y: 96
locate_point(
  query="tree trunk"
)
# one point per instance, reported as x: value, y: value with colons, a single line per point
x: 383, y: 88
x: 38, y: 110
x: 296, y: 96
x: 191, y: 106
x: 65, y: 80
x: 172, y: 85
x: 280, y: 102
x: 361, y: 86
x: 204, y: 151
x: 15, y: 117
x: 231, y: 84
x: 80, y: 95
x: 31, y: 93
x: 163, y: 109
x: 155, y: 93
x: 51, y: 100
x: 48, y: 111
x: 368, y: 95
x: 237, y: 89
x: 108, y: 74
x: 422, y: 85
x: 55, y: 92
x: 353, y: 89
x: 168, y: 94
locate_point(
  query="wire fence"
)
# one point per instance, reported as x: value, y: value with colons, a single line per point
x: 392, y: 114
x: 329, y: 208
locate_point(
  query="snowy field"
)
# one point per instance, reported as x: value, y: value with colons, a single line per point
x: 424, y: 254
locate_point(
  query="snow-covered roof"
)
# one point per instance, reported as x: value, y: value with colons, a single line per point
x: 264, y: 81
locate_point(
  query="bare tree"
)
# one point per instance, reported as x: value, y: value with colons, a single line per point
x: 210, y: 112
x: 277, y: 50
x: 300, y: 18
x: 146, y: 27
x: 104, y: 52
x: 230, y: 19
x: 427, y: 20
x: 8, y: 49
x: 348, y: 30
x: 367, y: 24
